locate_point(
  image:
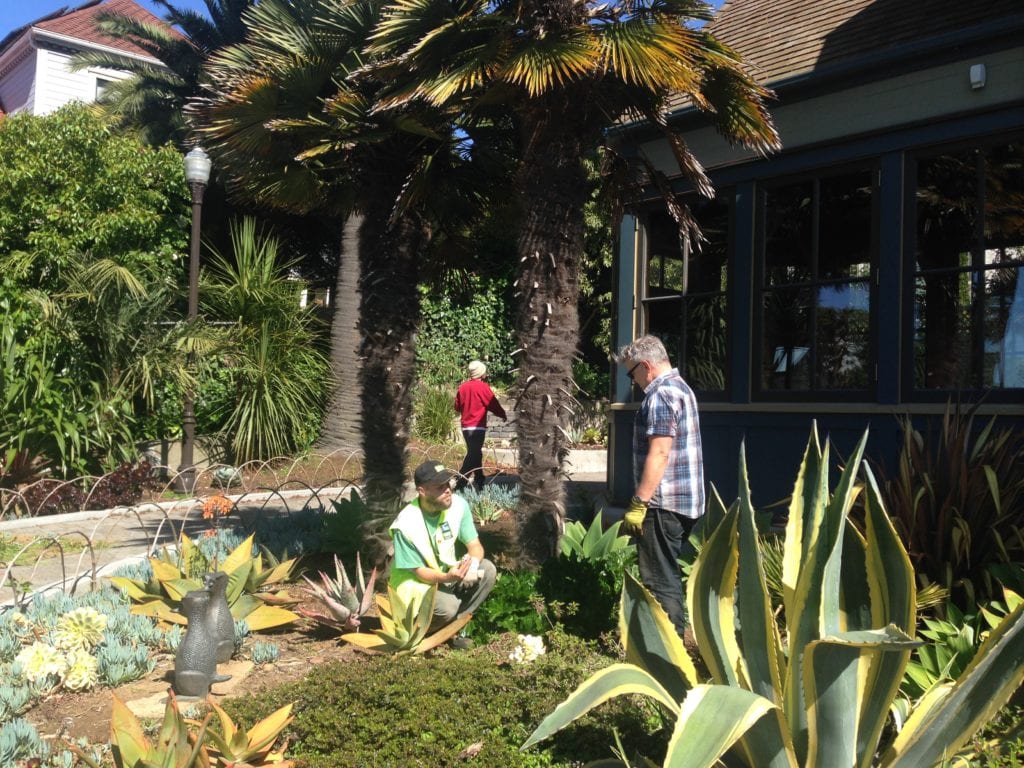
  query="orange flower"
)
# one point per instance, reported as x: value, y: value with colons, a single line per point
x: 216, y: 505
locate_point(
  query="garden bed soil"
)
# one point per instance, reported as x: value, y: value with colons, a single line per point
x: 87, y: 714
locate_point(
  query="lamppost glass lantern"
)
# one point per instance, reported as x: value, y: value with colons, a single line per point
x: 197, y: 173
x: 197, y: 166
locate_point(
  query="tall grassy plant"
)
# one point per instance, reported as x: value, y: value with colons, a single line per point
x: 819, y: 692
x: 433, y: 416
x: 279, y: 370
x: 957, y: 501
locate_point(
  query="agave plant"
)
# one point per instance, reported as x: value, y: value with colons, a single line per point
x: 346, y: 604
x: 175, y: 746
x: 253, y: 748
x: 817, y: 692
x: 404, y: 627
x: 249, y: 593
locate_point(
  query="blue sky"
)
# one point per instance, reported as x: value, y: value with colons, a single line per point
x: 15, y: 13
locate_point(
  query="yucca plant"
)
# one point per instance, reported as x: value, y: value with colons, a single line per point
x: 818, y: 692
x: 249, y: 592
x: 345, y: 603
x: 404, y: 626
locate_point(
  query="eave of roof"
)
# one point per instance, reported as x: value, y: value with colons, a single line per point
x: 797, y: 48
x: 79, y: 24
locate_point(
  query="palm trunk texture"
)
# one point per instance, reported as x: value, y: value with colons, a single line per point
x: 552, y: 188
x: 341, y: 429
x: 389, y: 319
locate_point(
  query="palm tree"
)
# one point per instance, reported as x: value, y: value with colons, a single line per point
x: 290, y: 117
x: 568, y: 71
x: 153, y: 100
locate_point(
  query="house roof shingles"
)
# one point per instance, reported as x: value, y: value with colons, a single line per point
x: 782, y: 39
x: 80, y: 23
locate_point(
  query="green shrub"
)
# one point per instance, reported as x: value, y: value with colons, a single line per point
x: 583, y: 594
x: 581, y: 586
x: 462, y: 323
x: 512, y: 606
x: 400, y: 712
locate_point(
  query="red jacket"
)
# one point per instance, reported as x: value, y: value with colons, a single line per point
x: 473, y: 400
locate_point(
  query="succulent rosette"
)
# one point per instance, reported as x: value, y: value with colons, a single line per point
x: 82, y: 671
x: 81, y: 628
x: 39, y: 660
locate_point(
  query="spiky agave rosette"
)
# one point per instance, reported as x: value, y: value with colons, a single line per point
x: 344, y: 603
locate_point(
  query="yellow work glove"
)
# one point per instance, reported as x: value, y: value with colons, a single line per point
x: 633, y: 521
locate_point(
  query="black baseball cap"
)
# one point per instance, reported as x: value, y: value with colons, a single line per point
x: 432, y: 472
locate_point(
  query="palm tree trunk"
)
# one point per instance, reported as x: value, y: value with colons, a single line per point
x: 552, y: 189
x: 389, y: 319
x: 342, y: 422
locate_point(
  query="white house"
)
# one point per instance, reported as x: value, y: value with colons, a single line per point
x: 34, y: 73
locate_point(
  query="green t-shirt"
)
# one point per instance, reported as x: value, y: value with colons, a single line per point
x: 408, y: 557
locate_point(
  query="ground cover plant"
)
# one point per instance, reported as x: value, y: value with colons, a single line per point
x: 398, y: 712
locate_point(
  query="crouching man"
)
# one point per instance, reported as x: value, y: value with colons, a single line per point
x: 425, y: 535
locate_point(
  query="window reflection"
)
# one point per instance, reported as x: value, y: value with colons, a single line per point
x: 969, y: 312
x: 816, y: 289
x: 687, y: 308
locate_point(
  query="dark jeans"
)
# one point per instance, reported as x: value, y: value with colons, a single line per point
x: 665, y: 538
x: 474, y: 463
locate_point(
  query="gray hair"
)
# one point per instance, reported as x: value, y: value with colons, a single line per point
x: 647, y: 348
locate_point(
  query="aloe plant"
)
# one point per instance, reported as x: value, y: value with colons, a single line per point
x: 346, y: 603
x: 175, y: 746
x: 817, y: 692
x: 254, y: 748
x: 404, y: 627
x: 249, y: 592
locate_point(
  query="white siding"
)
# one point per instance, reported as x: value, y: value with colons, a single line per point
x: 57, y: 85
x: 17, y: 89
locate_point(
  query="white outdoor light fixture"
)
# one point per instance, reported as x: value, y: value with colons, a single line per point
x: 197, y: 174
x: 197, y: 166
x: 977, y: 76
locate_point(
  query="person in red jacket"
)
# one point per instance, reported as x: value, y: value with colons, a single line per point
x: 473, y: 400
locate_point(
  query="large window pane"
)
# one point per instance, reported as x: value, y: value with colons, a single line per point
x: 843, y: 335
x: 819, y: 239
x: 684, y: 301
x: 967, y: 258
x: 787, y: 339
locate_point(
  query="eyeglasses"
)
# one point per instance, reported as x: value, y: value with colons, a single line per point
x: 633, y: 369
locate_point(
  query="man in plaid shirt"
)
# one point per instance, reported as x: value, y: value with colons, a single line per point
x: 668, y: 472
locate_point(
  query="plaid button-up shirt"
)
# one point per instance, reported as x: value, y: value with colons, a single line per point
x: 669, y: 409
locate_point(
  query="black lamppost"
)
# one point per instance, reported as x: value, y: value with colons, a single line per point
x: 197, y: 174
